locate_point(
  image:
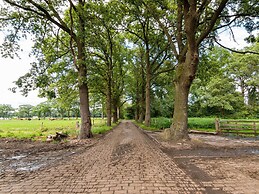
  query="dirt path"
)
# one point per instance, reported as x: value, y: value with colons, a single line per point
x: 128, y: 161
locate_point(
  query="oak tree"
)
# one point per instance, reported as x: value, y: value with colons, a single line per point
x: 47, y: 18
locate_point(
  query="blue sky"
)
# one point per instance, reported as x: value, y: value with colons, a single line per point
x: 12, y: 69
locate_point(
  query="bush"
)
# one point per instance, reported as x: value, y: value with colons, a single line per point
x: 161, y: 122
x: 193, y: 123
x: 201, y: 123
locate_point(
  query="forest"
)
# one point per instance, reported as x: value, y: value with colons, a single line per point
x: 137, y: 59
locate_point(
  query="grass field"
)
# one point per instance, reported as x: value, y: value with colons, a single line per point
x: 199, y: 124
x: 207, y: 124
x: 39, y: 129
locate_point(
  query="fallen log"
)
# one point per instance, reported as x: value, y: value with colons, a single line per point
x: 58, y: 137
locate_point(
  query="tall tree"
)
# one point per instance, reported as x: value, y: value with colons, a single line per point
x: 151, y: 38
x: 42, y: 109
x: 25, y: 111
x: 137, y: 82
x: 6, y: 110
x: 46, y: 18
x: 244, y: 70
x: 109, y: 51
x: 189, y: 24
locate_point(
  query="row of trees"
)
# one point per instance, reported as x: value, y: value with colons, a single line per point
x: 40, y: 111
x: 226, y: 86
x: 115, y: 51
x: 48, y: 109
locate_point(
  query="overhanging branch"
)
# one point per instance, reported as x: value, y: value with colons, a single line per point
x: 236, y: 51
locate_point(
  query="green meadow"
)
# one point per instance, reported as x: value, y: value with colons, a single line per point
x: 203, y: 124
x: 40, y: 129
x: 195, y: 123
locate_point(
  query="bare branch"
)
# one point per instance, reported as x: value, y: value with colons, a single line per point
x: 161, y: 63
x: 212, y: 22
x: 225, y: 25
x: 24, y: 7
x: 159, y: 54
x: 56, y: 14
x: 203, y: 6
x: 164, y: 28
x: 72, y: 5
x: 169, y: 38
x: 71, y: 38
x: 41, y: 12
x: 179, y: 25
x: 134, y: 33
x: 163, y: 71
x: 236, y: 51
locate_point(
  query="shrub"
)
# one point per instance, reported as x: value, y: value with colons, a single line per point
x: 161, y: 122
x: 201, y: 123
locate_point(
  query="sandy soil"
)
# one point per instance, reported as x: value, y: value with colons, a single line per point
x: 211, y: 157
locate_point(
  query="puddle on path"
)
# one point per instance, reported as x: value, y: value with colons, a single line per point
x: 256, y: 151
x: 31, y: 167
x: 17, y: 157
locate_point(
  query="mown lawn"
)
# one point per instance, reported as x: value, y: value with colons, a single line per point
x: 40, y: 129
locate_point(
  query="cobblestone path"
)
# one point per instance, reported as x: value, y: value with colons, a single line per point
x: 125, y: 161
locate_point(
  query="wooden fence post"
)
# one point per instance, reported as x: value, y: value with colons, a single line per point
x: 217, y: 126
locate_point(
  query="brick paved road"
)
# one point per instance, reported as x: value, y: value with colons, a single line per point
x: 125, y: 161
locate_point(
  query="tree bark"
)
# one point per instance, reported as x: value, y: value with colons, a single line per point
x: 109, y: 103
x: 86, y: 125
x: 242, y: 86
x: 142, y: 101
x: 137, y: 110
x: 115, y: 111
x: 178, y: 129
x: 185, y: 73
x: 148, y: 86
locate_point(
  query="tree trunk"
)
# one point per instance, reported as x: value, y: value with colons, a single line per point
x: 142, y: 101
x: 242, y: 86
x: 86, y: 125
x: 178, y: 129
x: 148, y: 86
x: 252, y: 96
x: 115, y: 111
x: 148, y: 111
x: 137, y: 110
x: 185, y: 74
x: 109, y: 104
x: 136, y: 113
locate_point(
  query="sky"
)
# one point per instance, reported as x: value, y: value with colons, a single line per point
x: 12, y: 69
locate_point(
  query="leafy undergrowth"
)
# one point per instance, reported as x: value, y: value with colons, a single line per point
x: 195, y: 124
x: 202, y: 124
x: 142, y: 126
